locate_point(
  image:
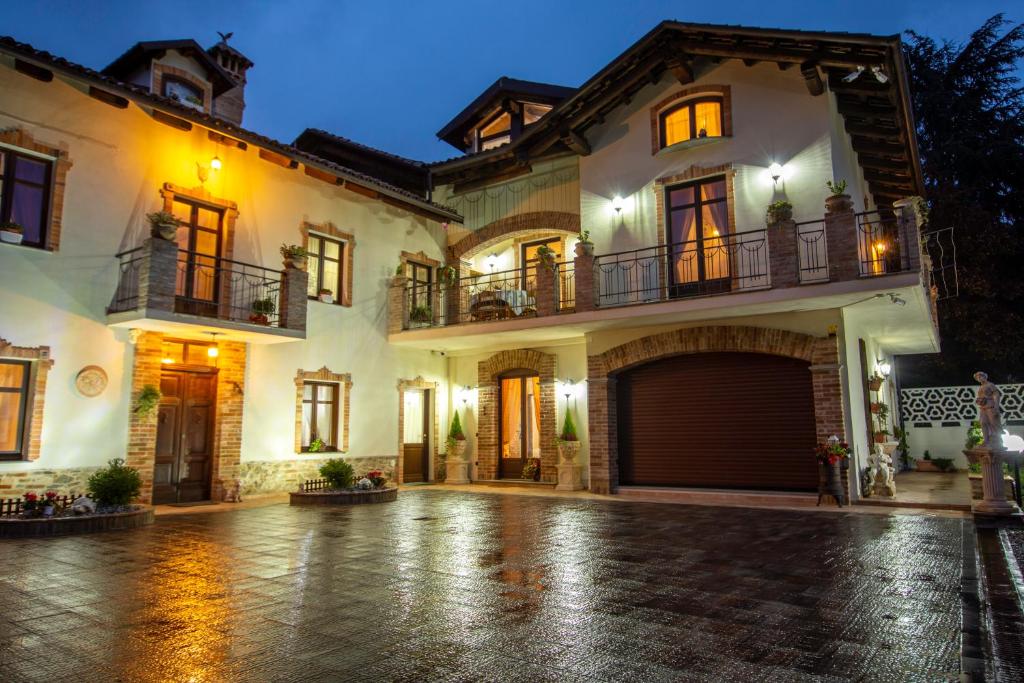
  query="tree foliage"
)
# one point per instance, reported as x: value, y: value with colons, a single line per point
x: 969, y: 107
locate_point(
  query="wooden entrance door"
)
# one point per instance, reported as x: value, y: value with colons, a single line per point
x: 416, y: 435
x: 184, y: 436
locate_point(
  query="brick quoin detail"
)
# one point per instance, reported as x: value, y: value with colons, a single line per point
x: 513, y: 226
x: 602, y: 369
x: 39, y: 371
x: 488, y: 426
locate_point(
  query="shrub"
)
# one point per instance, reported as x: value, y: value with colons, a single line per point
x: 116, y: 484
x: 569, y: 428
x: 456, y: 429
x: 974, y: 436
x: 338, y: 473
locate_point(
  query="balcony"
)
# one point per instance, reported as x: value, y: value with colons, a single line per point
x: 827, y: 263
x: 187, y: 294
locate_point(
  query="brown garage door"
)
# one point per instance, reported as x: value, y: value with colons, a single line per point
x: 718, y: 420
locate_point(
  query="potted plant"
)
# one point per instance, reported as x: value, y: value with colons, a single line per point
x: 568, y: 441
x: 838, y: 200
x: 779, y: 211
x: 163, y: 225
x: 585, y: 247
x: 294, y: 256
x: 326, y: 296
x: 32, y: 507
x: 262, y: 309
x: 316, y: 445
x: 457, y: 468
x: 11, y: 232
x: 875, y: 382
x: 831, y: 456
x: 149, y: 398
x: 531, y: 470
x: 376, y: 477
x: 420, y: 313
x: 448, y: 276
x: 546, y: 256
x: 881, y: 435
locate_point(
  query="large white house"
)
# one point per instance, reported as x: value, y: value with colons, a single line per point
x: 698, y: 339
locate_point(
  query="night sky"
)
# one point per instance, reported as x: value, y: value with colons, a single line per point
x: 391, y: 74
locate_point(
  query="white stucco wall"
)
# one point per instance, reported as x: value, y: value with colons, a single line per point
x: 121, y: 160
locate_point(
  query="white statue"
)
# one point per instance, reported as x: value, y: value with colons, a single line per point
x: 83, y: 505
x: 882, y: 477
x: 990, y: 414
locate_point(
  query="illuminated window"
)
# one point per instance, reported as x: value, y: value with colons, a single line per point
x: 181, y: 352
x: 692, y: 119
x: 325, y: 266
x: 533, y: 112
x: 320, y: 416
x: 25, y: 194
x: 495, y: 133
x: 14, y: 376
x: 182, y: 91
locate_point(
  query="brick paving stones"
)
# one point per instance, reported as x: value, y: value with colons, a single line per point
x: 457, y: 586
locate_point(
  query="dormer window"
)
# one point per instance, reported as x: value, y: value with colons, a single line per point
x: 691, y: 120
x: 533, y: 112
x: 497, y: 132
x: 182, y: 91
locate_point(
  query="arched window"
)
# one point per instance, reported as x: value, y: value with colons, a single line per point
x: 691, y: 119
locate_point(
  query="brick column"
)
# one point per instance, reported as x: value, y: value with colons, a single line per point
x: 294, y: 299
x: 487, y: 446
x: 227, y: 442
x: 141, y: 451
x: 396, y: 304
x: 547, y: 299
x: 908, y: 213
x: 583, y: 272
x: 843, y: 251
x: 782, y: 254
x: 158, y: 274
x: 454, y: 296
x: 601, y: 418
x: 828, y: 397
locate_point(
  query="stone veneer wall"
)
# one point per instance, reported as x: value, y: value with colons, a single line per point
x: 64, y: 481
x: 260, y: 477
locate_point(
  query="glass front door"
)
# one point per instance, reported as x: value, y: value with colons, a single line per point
x: 520, y: 424
x: 698, y: 230
x: 199, y: 245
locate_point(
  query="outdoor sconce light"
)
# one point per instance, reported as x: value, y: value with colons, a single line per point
x: 833, y: 440
x: 617, y: 203
x: 213, y: 351
x: 464, y: 393
x: 204, y: 171
x: 885, y: 369
x: 215, y: 163
x: 492, y: 261
x: 775, y: 171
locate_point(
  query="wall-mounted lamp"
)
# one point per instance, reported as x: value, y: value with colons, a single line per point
x: 884, y: 368
x: 775, y: 171
x: 617, y: 203
x: 215, y: 163
x: 212, y: 351
x: 203, y: 171
x: 465, y: 393
x: 492, y: 261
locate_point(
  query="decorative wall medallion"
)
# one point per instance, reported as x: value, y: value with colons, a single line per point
x: 91, y: 381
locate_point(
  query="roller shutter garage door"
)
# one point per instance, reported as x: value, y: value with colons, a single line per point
x: 718, y: 420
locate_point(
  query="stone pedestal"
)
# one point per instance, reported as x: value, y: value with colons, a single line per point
x: 457, y: 465
x: 570, y: 475
x: 993, y: 500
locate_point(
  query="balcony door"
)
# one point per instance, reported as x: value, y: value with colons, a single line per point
x: 520, y: 422
x: 199, y: 243
x: 698, y: 235
x: 530, y: 258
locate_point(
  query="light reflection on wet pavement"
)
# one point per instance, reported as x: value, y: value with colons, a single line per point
x: 458, y: 586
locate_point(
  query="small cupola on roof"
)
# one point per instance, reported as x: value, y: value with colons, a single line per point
x: 181, y: 70
x: 501, y: 113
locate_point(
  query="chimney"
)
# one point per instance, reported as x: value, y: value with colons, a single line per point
x: 230, y: 105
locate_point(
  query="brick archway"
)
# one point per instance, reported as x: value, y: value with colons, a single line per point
x: 489, y: 386
x: 513, y: 226
x: 602, y: 369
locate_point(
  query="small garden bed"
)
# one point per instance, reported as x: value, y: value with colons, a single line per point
x: 340, y: 487
x: 127, y: 517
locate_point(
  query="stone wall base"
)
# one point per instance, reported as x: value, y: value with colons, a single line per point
x: 64, y: 481
x: 275, y: 476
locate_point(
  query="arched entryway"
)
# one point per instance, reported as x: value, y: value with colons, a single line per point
x: 533, y: 372
x: 514, y: 226
x: 738, y: 352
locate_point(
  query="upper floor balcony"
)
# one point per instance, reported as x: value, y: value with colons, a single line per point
x: 827, y: 263
x: 185, y: 293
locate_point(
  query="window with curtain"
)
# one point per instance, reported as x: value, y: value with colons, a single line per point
x: 320, y: 415
x: 25, y: 184
x: 325, y: 266
x: 14, y: 376
x: 420, y: 278
x: 698, y: 233
x: 690, y: 120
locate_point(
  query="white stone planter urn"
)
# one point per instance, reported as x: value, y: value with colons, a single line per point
x: 457, y: 465
x: 570, y: 474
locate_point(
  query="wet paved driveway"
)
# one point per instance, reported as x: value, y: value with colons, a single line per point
x: 459, y: 586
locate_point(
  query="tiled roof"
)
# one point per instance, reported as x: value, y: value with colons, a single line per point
x: 140, y: 94
x: 359, y: 145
